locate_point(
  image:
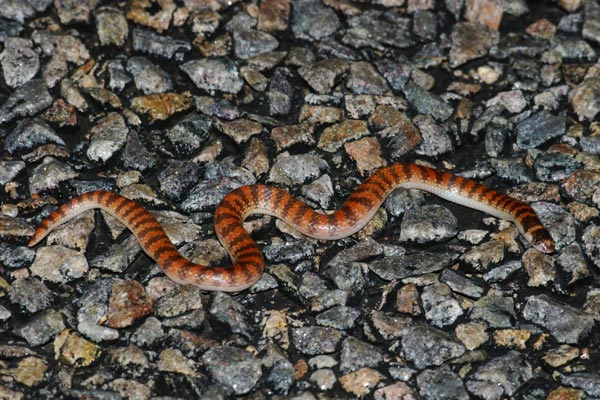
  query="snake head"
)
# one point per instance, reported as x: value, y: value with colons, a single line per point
x: 542, y: 241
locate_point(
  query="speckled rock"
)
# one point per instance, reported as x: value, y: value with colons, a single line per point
x: 233, y: 367
x: 30, y: 133
x: 441, y: 383
x: 500, y: 377
x: 440, y: 306
x: 356, y: 354
x: 470, y: 40
x: 41, y: 328
x: 31, y: 295
x: 214, y: 74
x: 565, y: 323
x: 426, y: 346
x: 429, y: 223
x: 315, y: 340
x: 59, y: 264
x: 19, y: 61
x: 398, y: 267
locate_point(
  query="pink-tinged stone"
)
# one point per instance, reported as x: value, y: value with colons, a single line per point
x: 128, y: 303
x: 273, y: 15
x: 542, y: 29
x: 484, y: 11
x: 366, y: 153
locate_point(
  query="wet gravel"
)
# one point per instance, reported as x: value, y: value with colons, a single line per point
x: 175, y: 104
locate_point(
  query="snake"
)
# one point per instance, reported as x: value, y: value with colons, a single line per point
x: 248, y: 263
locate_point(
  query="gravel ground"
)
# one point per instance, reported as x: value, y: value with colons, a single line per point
x: 176, y: 103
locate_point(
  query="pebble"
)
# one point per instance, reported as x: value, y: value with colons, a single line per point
x: 512, y: 338
x: 30, y: 294
x: 364, y: 79
x: 311, y: 20
x: 209, y: 193
x: 30, y: 133
x: 347, y: 277
x: 561, y: 355
x: 408, y: 300
x: 319, y: 191
x: 148, y: 42
x: 14, y: 257
x: 41, y: 328
x: 472, y: 334
x: 581, y: 185
x: 572, y: 49
x: 315, y: 340
x: 118, y: 256
x: 148, y: 77
x: 111, y: 26
x: 376, y: 29
x: 189, y: 134
x: 461, y: 284
x: 441, y: 383
x: 128, y: 302
x: 161, y: 106
x: 558, y: 221
x: 149, y: 333
x: 233, y: 367
x: 130, y: 360
x: 290, y: 135
x: 591, y: 246
x: 502, y: 272
x: 482, y: 256
x: 241, y: 130
x: 324, y: 379
x: 30, y: 371
x: 429, y: 223
x: 9, y: 170
x: 501, y: 377
x: 539, y: 128
x: 229, y: 311
x: 20, y: 62
x: 64, y: 266
x: 107, y: 137
x: 440, y: 306
x: 296, y: 169
x: 250, y: 42
x: 470, y: 40
x: 583, y: 98
x: 587, y: 381
x: 356, y: 354
x: 539, y: 268
x: 426, y: 346
x: 496, y: 310
x: 366, y: 152
x: 399, y: 267
x: 335, y: 136
x: 322, y: 75
x: 361, y: 382
x: 49, y: 174
x: 214, y: 74
x: 426, y: 103
x: 435, y: 141
x: 178, y: 301
x: 565, y: 323
x: 555, y: 167
x: 177, y: 178
x: 398, y: 390
x: 93, y: 309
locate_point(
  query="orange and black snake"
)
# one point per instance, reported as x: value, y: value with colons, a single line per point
x: 248, y: 263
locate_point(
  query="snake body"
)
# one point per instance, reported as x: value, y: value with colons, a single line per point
x: 246, y: 256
